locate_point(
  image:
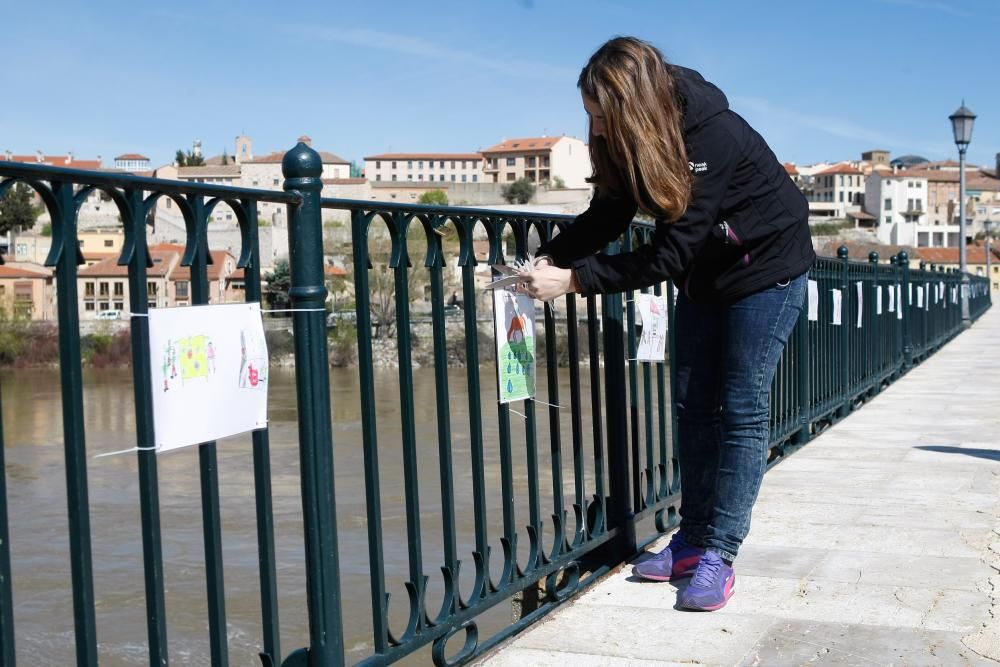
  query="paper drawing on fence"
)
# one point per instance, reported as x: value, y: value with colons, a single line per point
x: 861, y: 300
x: 514, y: 322
x: 813, y: 292
x: 210, y: 373
x: 653, y: 341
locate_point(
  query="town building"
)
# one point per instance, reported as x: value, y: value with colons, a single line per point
x: 132, y: 162
x: 836, y: 191
x: 975, y: 261
x: 27, y: 291
x: 104, y: 285
x: 897, y: 199
x: 539, y: 160
x: 425, y: 167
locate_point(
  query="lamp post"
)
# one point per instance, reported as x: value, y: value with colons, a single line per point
x: 988, y: 225
x: 961, y: 125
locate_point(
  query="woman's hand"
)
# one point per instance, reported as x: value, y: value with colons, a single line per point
x: 542, y: 260
x: 546, y: 283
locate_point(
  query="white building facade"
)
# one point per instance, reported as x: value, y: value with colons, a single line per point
x: 539, y: 160
x: 898, y: 201
x: 425, y: 167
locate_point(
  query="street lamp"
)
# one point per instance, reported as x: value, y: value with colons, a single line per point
x: 961, y: 125
x: 988, y: 225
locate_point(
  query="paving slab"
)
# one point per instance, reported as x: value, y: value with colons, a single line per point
x: 878, y: 543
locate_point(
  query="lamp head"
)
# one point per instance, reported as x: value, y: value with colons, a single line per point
x: 961, y: 126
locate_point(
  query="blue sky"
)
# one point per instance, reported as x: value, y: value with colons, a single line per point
x: 820, y: 81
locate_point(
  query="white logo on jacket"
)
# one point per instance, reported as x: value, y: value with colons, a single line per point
x: 697, y: 168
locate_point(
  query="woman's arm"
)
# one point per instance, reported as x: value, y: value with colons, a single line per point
x: 603, y: 222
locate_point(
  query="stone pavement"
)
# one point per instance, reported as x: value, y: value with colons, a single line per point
x: 878, y: 543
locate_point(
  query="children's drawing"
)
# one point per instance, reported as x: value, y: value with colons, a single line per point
x: 515, y: 334
x: 653, y: 341
x: 211, y: 373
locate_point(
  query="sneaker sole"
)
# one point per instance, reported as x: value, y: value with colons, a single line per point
x: 658, y: 577
x: 714, y: 607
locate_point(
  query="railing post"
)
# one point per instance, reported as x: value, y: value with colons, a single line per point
x: 904, y: 264
x: 845, y: 333
x: 802, y: 361
x: 302, y: 168
x: 876, y: 318
x: 620, y: 487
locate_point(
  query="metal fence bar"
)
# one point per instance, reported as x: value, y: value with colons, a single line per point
x: 6, y: 585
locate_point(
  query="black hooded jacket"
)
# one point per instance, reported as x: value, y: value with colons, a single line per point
x: 744, y: 230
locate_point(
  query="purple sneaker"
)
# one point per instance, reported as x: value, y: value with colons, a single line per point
x: 712, y: 584
x: 678, y: 559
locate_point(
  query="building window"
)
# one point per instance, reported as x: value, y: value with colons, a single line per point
x: 378, y: 177
x: 409, y: 164
x: 511, y: 161
x: 888, y: 204
x: 463, y: 163
x: 431, y: 178
x: 378, y: 164
x: 275, y: 182
x: 89, y: 306
x: 475, y: 178
x: 511, y: 176
x: 841, y: 193
x: 420, y: 177
x: 169, y: 202
x: 108, y: 243
x: 393, y: 164
x: 409, y: 177
x: 463, y: 178
x: 119, y: 289
x: 104, y: 289
x: 453, y: 178
x: 394, y: 177
x: 181, y: 289
x: 151, y: 289
x: 452, y: 164
x: 420, y: 164
x: 441, y: 164
x: 119, y: 305
x: 529, y: 162
x: 88, y: 289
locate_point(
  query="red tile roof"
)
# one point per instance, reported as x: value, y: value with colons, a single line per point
x: 523, y: 145
x: 8, y: 271
x: 426, y: 156
x: 841, y: 169
x: 56, y: 161
x: 974, y: 254
x: 132, y: 156
x: 214, y: 269
x: 332, y: 271
x: 163, y: 259
x: 790, y: 169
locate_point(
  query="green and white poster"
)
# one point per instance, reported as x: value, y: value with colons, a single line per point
x: 514, y: 317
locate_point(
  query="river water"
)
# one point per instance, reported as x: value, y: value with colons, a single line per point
x: 39, y: 533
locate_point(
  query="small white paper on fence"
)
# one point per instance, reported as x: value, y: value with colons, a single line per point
x: 210, y: 373
x: 878, y: 300
x: 965, y: 291
x: 954, y: 295
x: 861, y: 300
x: 909, y: 300
x: 927, y: 296
x: 920, y: 297
x: 899, y: 301
x: 514, y: 318
x: 892, y: 297
x: 653, y: 341
x: 813, y: 301
x: 837, y: 300
x: 941, y: 289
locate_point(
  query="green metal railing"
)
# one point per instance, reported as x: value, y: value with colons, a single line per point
x: 600, y: 474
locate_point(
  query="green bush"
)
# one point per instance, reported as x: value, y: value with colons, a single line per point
x: 519, y: 192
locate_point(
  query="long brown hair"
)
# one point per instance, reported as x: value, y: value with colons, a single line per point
x: 642, y: 153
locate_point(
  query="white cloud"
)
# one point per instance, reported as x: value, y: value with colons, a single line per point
x: 839, y: 127
x: 384, y: 41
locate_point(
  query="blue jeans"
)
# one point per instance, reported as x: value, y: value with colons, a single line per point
x: 727, y: 354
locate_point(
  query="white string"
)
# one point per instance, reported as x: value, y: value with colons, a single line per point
x: 518, y: 413
x: 544, y: 403
x: 125, y: 451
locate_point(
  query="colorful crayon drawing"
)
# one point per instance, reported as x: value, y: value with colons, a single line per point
x: 253, y: 361
x: 189, y: 359
x: 515, y: 328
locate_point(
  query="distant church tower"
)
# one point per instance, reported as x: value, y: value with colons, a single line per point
x: 244, y: 149
x: 196, y: 148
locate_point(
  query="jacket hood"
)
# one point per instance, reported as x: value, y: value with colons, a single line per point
x: 700, y: 99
